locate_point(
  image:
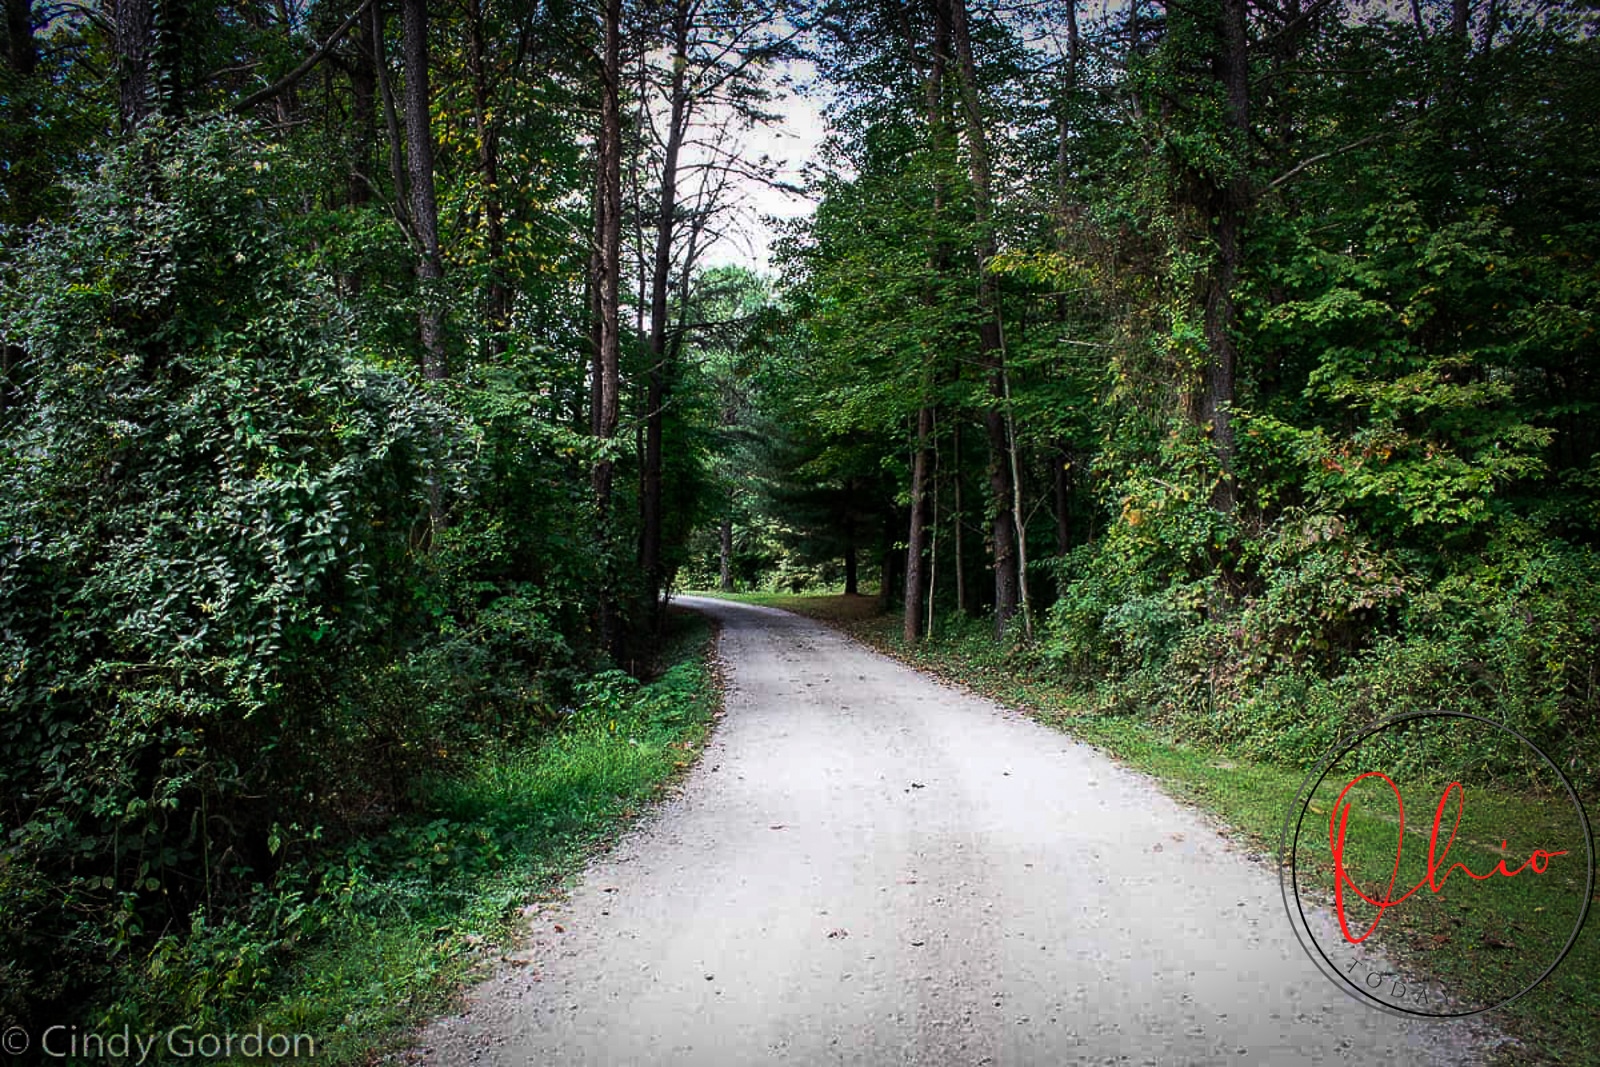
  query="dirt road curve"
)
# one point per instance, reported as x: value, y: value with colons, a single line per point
x: 868, y: 867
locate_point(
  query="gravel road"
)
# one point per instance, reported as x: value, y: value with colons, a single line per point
x: 870, y: 867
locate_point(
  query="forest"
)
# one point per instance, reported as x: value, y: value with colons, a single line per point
x: 369, y: 380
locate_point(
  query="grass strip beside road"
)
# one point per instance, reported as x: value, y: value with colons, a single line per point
x: 1558, y: 1022
x: 402, y: 921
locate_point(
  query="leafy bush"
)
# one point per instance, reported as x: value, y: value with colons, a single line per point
x: 210, y: 507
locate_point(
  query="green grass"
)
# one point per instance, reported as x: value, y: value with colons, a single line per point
x: 1473, y: 939
x: 408, y: 918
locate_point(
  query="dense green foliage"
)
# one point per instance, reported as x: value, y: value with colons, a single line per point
x: 225, y: 635
x: 1298, y: 367
x: 272, y: 593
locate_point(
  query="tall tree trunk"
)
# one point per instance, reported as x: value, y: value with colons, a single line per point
x: 1019, y: 521
x: 175, y: 30
x: 606, y: 263
x: 933, y: 544
x: 1004, y: 532
x: 135, y: 52
x: 591, y: 290
x: 391, y: 122
x: 890, y: 584
x: 1225, y: 197
x: 22, y: 55
x: 28, y: 157
x: 726, y: 584
x: 363, y: 116
x: 608, y: 260
x: 660, y: 284
x: 1064, y: 112
x: 424, y: 205
x: 497, y: 299
x: 358, y: 184
x: 1061, y: 485
x: 918, y: 582
x: 916, y: 541
x: 852, y: 567
x: 961, y: 565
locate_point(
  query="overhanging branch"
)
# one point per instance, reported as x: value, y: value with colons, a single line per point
x: 289, y: 80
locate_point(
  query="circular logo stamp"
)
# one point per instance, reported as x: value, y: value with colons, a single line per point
x: 1437, y: 864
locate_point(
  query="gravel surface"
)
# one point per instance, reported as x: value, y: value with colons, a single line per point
x: 869, y: 867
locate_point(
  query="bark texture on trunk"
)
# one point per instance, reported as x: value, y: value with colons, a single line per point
x: 135, y: 22
x: 917, y: 539
x: 419, y: 174
x: 497, y: 298
x: 608, y: 259
x: 1061, y: 485
x: 391, y: 122
x: 363, y: 114
x: 958, y: 520
x: 607, y: 263
x: 1225, y: 200
x: 726, y: 584
x: 889, y: 586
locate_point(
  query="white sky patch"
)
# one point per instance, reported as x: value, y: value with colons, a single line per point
x: 790, y: 143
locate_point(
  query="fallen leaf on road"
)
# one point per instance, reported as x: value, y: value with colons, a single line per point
x: 838, y: 932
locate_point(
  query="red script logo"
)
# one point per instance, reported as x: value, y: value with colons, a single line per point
x: 1338, y: 823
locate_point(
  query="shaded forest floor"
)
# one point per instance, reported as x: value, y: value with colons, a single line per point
x: 1557, y: 1022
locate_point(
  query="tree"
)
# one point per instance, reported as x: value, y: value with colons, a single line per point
x: 22, y: 54
x: 135, y: 50
x: 420, y: 181
x: 919, y: 579
x: 716, y: 56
